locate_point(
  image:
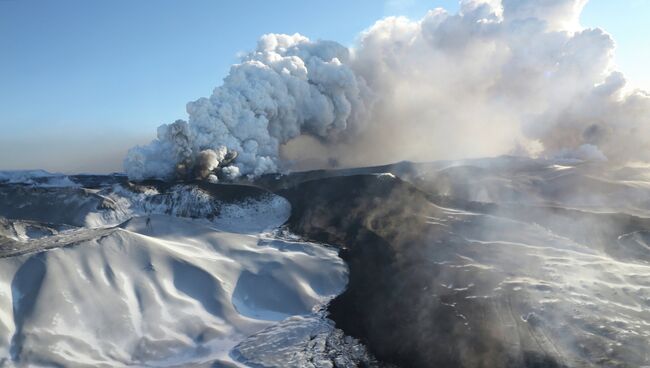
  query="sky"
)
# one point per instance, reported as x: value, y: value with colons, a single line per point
x: 82, y: 81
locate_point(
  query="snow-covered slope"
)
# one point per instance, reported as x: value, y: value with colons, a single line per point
x: 233, y: 207
x: 157, y: 275
x: 481, y: 263
x: 167, y: 291
x: 39, y: 178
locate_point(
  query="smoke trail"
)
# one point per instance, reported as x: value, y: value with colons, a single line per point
x: 509, y: 76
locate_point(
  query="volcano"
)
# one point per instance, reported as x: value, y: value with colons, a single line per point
x: 501, y: 262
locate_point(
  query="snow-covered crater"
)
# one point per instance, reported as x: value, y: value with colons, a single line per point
x: 160, y: 275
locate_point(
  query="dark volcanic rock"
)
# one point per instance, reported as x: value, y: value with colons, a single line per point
x: 65, y: 206
x: 399, y: 300
x: 518, y: 280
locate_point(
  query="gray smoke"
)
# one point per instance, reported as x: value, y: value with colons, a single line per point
x: 498, y: 77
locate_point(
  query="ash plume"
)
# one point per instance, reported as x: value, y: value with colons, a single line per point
x: 498, y: 77
x: 289, y: 86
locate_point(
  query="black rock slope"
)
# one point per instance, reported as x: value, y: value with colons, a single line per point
x: 441, y: 282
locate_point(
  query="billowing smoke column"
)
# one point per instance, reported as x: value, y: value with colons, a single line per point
x: 498, y: 77
x: 290, y: 86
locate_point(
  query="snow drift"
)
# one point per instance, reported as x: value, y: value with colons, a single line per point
x: 162, y: 292
x: 157, y: 275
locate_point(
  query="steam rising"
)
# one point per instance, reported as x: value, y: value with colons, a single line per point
x: 510, y: 76
x: 289, y: 86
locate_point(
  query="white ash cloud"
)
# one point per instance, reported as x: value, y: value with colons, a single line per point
x: 497, y: 77
x: 289, y: 86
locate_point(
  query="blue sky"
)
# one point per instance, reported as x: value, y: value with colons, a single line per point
x: 81, y: 81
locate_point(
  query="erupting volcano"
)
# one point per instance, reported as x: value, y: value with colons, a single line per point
x: 470, y: 189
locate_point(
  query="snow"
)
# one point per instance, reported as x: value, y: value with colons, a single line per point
x: 570, y: 294
x: 250, y: 215
x: 39, y: 178
x: 171, y: 276
x: 160, y: 290
x: 302, y: 342
x: 114, y: 204
x: 123, y: 276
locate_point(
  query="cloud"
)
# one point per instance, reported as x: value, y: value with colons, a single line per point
x: 288, y: 87
x: 497, y: 77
